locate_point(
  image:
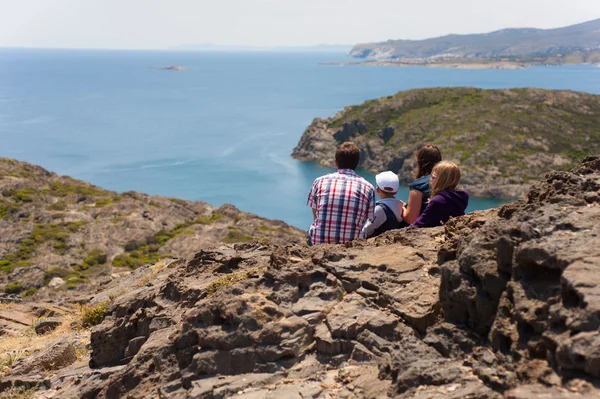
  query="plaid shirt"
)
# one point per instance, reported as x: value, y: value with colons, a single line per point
x: 344, y: 201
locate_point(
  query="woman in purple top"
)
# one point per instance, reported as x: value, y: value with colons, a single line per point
x: 446, y: 201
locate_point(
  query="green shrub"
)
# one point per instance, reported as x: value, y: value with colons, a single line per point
x: 61, y: 189
x: 95, y: 257
x: 42, y: 233
x: 6, y: 266
x: 134, y: 259
x: 208, y: 219
x: 13, y: 288
x: 31, y: 291
x: 57, y: 206
x: 7, y: 209
x: 140, y: 253
x: 76, y: 281
x: 56, y: 272
x: 23, y: 195
x: 102, y: 202
x: 92, y: 315
x: 234, y: 235
x: 9, y: 263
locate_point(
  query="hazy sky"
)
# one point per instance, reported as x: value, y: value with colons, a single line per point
x: 147, y: 24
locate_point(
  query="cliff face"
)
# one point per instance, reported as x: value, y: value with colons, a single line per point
x: 560, y: 42
x: 503, y: 139
x: 501, y: 303
x: 56, y: 226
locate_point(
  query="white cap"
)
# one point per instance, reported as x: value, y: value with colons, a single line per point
x: 388, y: 182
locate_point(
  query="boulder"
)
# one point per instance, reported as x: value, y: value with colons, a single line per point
x: 46, y: 325
x: 56, y: 282
x: 58, y: 355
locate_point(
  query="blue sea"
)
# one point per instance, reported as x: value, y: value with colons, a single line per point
x: 220, y: 132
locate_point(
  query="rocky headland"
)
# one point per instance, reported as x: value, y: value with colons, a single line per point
x: 504, y: 140
x: 518, y: 47
x: 502, y: 303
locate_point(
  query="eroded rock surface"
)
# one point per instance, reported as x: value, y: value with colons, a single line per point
x: 286, y: 320
x: 529, y: 280
x: 497, y: 304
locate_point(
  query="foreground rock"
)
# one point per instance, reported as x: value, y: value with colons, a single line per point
x: 497, y: 304
x: 530, y: 281
x: 504, y: 139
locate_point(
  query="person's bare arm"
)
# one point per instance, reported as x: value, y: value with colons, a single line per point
x: 413, y: 207
x: 314, y: 214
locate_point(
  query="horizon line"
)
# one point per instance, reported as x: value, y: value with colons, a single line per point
x: 189, y: 48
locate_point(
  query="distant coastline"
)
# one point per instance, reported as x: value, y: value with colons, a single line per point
x: 511, y: 48
x: 469, y: 63
x: 452, y: 65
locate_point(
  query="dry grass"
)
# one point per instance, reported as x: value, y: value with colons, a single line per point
x: 232, y: 278
x: 115, y: 295
x: 13, y: 348
x: 18, y: 393
x: 11, y: 358
x: 4, y: 306
x: 154, y: 270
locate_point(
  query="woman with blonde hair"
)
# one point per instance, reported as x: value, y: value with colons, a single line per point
x: 446, y: 201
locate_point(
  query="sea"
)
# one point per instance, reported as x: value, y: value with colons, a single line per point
x: 221, y: 131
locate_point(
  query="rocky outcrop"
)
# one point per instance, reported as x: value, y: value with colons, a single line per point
x: 496, y: 304
x: 284, y: 320
x: 60, y: 234
x: 528, y: 281
x: 504, y: 140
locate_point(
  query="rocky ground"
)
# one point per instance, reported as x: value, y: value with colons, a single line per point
x: 501, y: 303
x: 504, y: 140
x: 60, y: 235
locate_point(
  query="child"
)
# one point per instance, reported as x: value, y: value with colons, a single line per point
x: 446, y: 201
x: 388, y: 211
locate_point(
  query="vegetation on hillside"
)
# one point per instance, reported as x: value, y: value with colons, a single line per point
x: 61, y: 227
x: 506, y: 129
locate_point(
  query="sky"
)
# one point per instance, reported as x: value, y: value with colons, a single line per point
x: 161, y: 24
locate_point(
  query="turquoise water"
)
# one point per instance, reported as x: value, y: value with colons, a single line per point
x: 220, y: 132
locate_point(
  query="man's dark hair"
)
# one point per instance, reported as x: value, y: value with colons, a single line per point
x: 427, y: 157
x: 347, y: 156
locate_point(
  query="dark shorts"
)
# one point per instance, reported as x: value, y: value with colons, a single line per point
x: 308, y: 240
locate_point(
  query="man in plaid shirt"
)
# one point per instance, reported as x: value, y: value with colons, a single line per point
x: 342, y: 202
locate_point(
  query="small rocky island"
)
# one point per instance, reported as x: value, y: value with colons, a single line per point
x: 503, y: 139
x: 173, y: 68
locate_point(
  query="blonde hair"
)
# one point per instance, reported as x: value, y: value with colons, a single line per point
x: 448, y: 177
